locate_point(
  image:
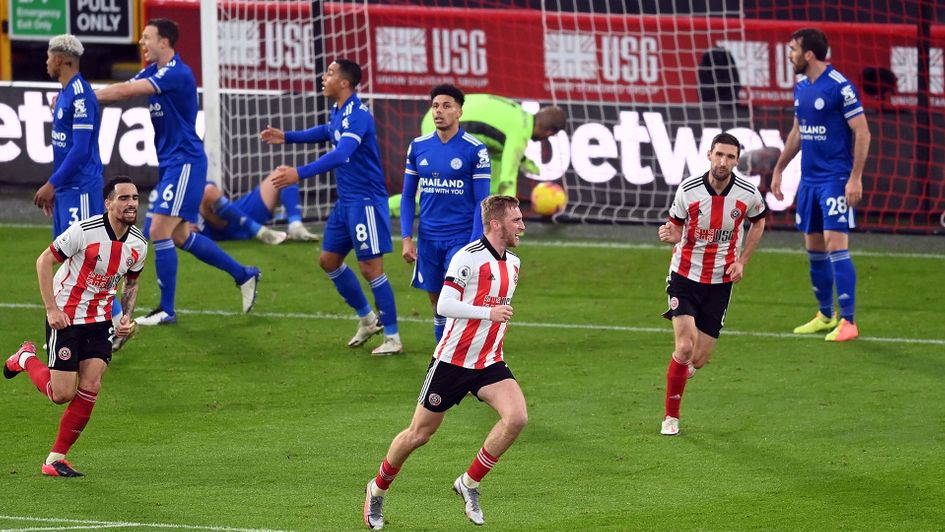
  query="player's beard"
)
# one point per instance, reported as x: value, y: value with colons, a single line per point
x: 509, y: 237
x: 800, y: 67
x: 725, y: 173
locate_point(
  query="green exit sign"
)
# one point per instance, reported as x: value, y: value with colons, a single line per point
x: 37, y: 19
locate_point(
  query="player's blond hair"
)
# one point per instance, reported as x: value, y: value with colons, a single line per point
x: 66, y: 44
x: 497, y: 207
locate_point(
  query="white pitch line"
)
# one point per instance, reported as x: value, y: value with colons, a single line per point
x: 593, y: 244
x: 575, y: 326
x: 86, y: 524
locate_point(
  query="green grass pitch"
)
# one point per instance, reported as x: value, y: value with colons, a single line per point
x: 269, y: 421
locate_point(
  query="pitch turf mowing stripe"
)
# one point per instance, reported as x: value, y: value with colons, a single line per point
x: 89, y: 524
x: 620, y: 328
x: 587, y: 244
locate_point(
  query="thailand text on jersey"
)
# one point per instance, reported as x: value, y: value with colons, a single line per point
x: 77, y: 110
x: 445, y: 174
x: 822, y: 109
x: 484, y: 279
x: 361, y: 177
x: 712, y: 226
x: 94, y: 263
x: 173, y: 108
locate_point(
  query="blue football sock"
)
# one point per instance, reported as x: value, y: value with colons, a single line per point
x: 346, y: 282
x: 116, y: 306
x: 845, y: 276
x: 165, y: 264
x: 821, y: 277
x: 209, y: 252
x: 234, y: 215
x: 147, y: 227
x: 384, y: 300
x: 439, y: 324
x: 292, y: 203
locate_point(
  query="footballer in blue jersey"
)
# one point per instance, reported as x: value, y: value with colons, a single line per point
x: 360, y: 218
x: 831, y: 132
x: 182, y: 164
x: 451, y: 169
x: 74, y: 190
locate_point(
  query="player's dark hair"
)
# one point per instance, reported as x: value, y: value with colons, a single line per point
x: 727, y: 138
x: 812, y: 40
x: 109, y: 189
x: 495, y: 207
x: 166, y: 29
x: 350, y: 71
x: 448, y: 90
x: 552, y: 118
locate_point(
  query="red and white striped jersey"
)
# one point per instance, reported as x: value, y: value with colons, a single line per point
x: 712, y: 226
x: 484, y: 279
x: 94, y: 263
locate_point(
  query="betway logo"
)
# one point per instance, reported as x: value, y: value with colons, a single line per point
x: 28, y: 121
x: 599, y: 153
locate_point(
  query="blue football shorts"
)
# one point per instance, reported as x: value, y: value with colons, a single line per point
x: 71, y: 205
x: 433, y: 258
x: 180, y: 190
x: 363, y: 227
x: 823, y: 207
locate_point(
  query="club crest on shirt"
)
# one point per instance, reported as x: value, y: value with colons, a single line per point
x: 64, y: 354
x: 735, y: 214
x: 129, y: 261
x: 456, y: 163
x: 59, y: 114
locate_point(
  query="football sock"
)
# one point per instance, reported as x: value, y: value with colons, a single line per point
x: 74, y: 419
x: 479, y: 468
x: 439, y: 325
x: 676, y: 376
x: 346, y: 282
x: 38, y: 372
x: 821, y: 277
x: 116, y: 308
x: 290, y: 200
x: 146, y: 231
x: 845, y: 276
x: 209, y: 252
x: 228, y: 210
x: 384, y: 300
x: 54, y: 457
x: 165, y: 265
x: 385, y: 475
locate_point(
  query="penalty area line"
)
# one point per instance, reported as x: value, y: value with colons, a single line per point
x: 91, y: 524
x: 573, y: 326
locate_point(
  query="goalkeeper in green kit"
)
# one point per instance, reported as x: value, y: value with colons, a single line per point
x: 505, y: 128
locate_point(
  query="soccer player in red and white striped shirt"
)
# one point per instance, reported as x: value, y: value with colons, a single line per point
x: 477, y: 301
x: 97, y: 253
x: 705, y: 224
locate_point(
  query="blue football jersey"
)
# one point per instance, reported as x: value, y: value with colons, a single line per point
x: 173, y: 109
x: 445, y: 180
x: 822, y: 110
x: 76, y: 111
x: 361, y: 177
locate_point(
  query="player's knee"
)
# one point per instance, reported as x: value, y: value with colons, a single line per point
x: 516, y: 422
x: 418, y: 437
x: 684, y: 349
x: 61, y: 397
x: 91, y: 386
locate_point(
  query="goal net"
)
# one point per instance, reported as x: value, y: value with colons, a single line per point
x: 646, y: 86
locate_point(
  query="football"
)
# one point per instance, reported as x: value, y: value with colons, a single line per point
x: 548, y: 198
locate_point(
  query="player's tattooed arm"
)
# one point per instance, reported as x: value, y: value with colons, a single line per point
x: 129, y: 296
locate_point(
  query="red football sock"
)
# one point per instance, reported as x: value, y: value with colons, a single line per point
x: 74, y: 419
x: 481, y: 465
x: 385, y: 475
x: 676, y: 376
x: 39, y: 374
